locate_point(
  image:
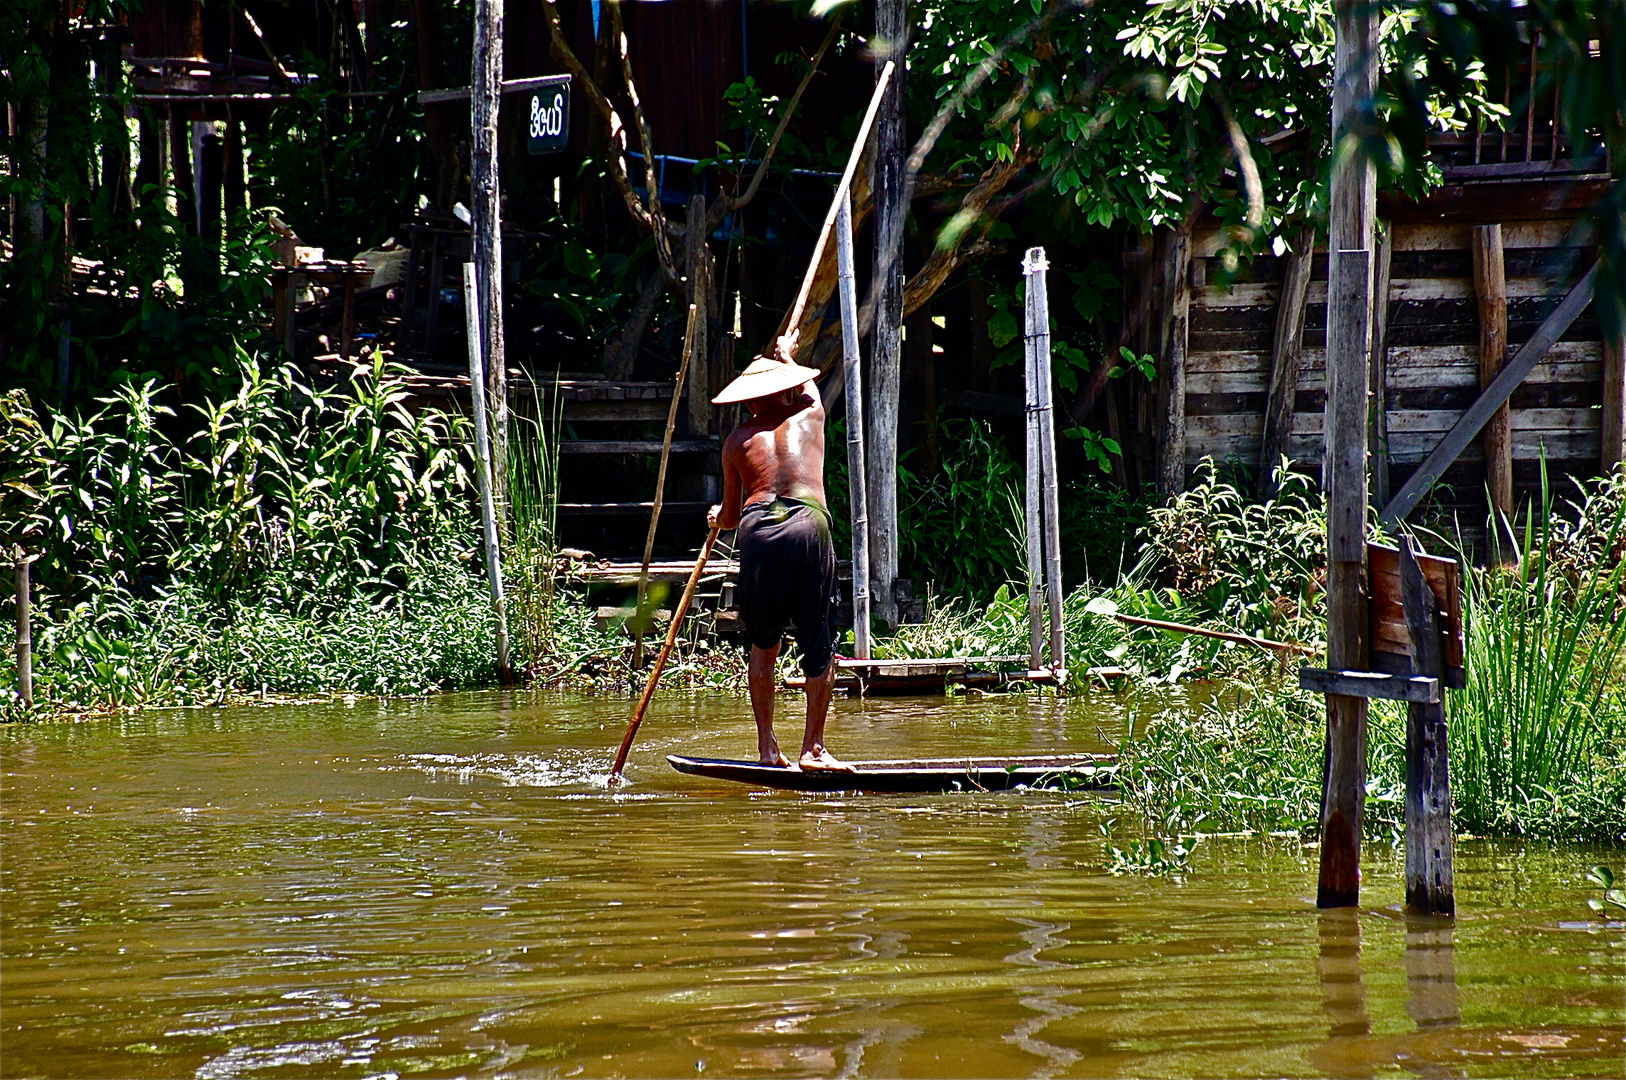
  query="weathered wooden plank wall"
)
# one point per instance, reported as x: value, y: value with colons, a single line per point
x: 1432, y: 358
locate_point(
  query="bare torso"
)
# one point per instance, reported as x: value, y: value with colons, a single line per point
x: 778, y: 451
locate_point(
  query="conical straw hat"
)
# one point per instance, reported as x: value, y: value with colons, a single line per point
x: 762, y: 378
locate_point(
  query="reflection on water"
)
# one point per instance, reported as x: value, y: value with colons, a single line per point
x: 445, y: 888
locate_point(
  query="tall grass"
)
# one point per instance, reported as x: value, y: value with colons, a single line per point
x: 530, y: 545
x: 1543, y: 714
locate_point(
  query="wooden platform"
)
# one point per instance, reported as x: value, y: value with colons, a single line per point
x: 903, y: 776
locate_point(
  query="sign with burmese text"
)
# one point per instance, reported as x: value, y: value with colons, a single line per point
x: 549, y: 125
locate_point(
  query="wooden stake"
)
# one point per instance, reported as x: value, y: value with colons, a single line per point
x: 1034, y: 267
x: 1430, y: 882
x: 482, y: 468
x: 1351, y: 215
x: 25, y: 633
x: 695, y: 331
x: 678, y: 613
x: 1284, y: 360
x: 856, y: 476
x: 485, y: 208
x: 1490, y: 287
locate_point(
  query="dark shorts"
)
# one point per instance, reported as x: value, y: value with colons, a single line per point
x: 788, y: 579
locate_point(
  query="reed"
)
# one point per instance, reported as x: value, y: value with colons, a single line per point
x: 530, y: 542
x: 1543, y: 713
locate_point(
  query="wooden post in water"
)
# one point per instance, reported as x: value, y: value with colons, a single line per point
x: 1351, y: 216
x: 1490, y: 289
x: 1430, y: 882
x: 854, y: 396
x: 1038, y: 328
x: 485, y: 209
x: 25, y: 632
x: 482, y: 469
x: 1033, y: 481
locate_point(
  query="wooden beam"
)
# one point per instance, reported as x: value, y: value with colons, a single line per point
x: 1490, y: 289
x: 1463, y: 431
x: 1430, y: 884
x: 1284, y: 360
x: 1370, y: 684
x: 1032, y: 480
x: 1178, y: 277
x: 461, y: 93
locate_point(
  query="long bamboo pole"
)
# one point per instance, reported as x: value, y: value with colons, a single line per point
x: 697, y: 321
x: 25, y: 634
x: 482, y: 467
x: 1032, y: 481
x: 788, y: 342
x: 1034, y: 266
x: 857, y: 478
x: 678, y: 613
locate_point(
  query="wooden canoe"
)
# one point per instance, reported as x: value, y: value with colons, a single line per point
x: 1073, y: 771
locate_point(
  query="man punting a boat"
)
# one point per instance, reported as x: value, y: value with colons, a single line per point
x: 773, y: 493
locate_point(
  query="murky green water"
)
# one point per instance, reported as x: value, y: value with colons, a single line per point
x: 444, y: 888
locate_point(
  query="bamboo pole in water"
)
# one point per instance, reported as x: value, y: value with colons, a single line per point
x: 25, y: 633
x: 1034, y: 267
x: 482, y: 468
x: 681, y: 610
x: 1033, y: 479
x: 695, y: 332
x: 856, y: 477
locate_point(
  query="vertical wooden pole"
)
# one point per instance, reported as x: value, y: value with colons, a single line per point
x: 1351, y: 212
x: 1034, y: 267
x: 1178, y: 270
x: 485, y: 208
x: 1614, y: 403
x: 857, y: 482
x: 1377, y: 440
x: 693, y: 334
x: 25, y: 632
x: 1430, y: 883
x: 1033, y: 480
x: 482, y: 468
x: 1490, y: 287
x: 886, y: 346
x: 1286, y: 351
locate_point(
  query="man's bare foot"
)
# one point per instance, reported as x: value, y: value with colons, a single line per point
x: 773, y: 759
x: 819, y: 759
